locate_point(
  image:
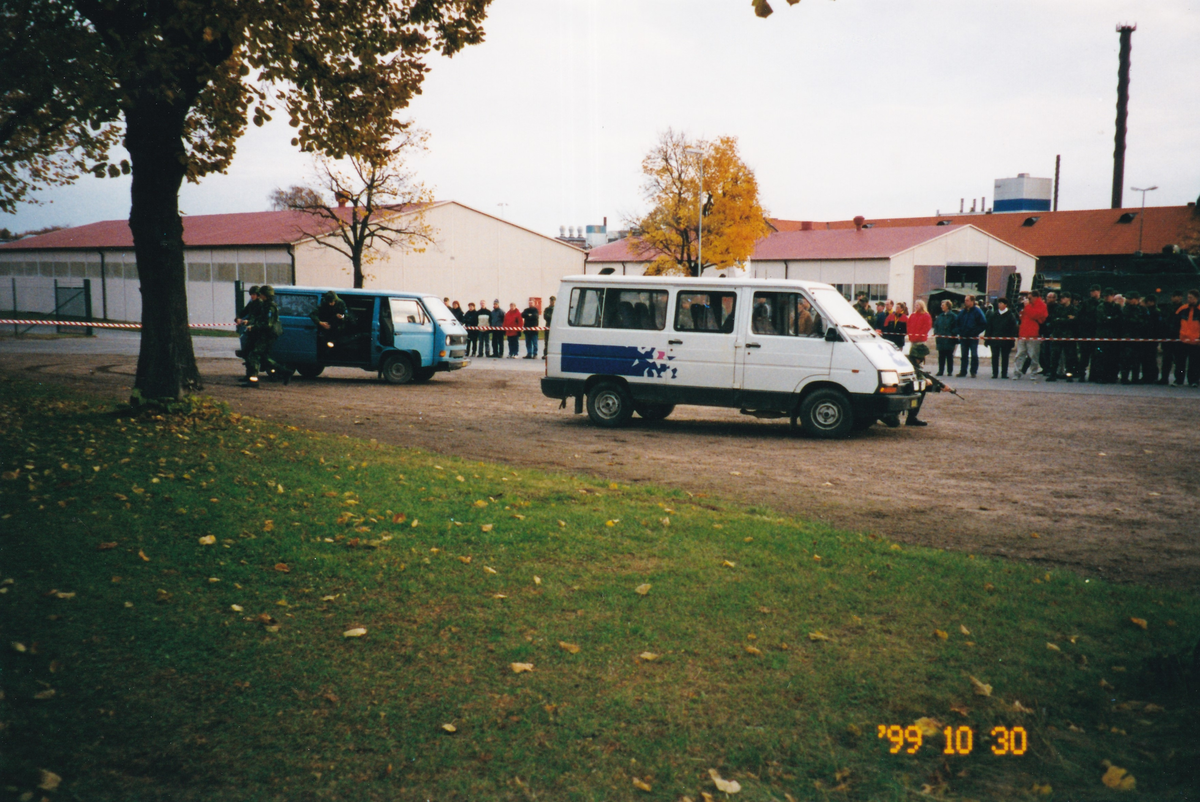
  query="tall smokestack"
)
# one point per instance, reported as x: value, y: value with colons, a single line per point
x: 1126, y: 32
x: 1057, y: 165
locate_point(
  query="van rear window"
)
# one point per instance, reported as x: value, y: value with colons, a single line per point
x: 618, y: 308
x: 296, y: 305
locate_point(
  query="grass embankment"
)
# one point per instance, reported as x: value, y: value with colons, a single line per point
x: 182, y: 589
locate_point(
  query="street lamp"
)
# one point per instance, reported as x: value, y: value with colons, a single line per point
x: 1142, y: 226
x: 700, y: 213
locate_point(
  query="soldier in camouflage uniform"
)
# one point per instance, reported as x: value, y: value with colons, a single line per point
x: 262, y: 329
x: 1106, y: 360
x: 1085, y: 327
x: 333, y: 320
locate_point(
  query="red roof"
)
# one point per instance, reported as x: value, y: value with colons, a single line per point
x: 622, y: 250
x: 1086, y: 232
x: 869, y: 243
x: 199, y: 231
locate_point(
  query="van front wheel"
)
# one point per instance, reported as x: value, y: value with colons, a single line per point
x: 397, y: 370
x: 609, y: 405
x: 653, y: 412
x: 826, y: 414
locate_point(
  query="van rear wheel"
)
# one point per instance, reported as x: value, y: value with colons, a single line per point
x: 826, y: 414
x: 310, y: 371
x: 397, y: 370
x: 609, y: 405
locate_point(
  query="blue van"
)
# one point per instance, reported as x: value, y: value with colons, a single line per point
x: 401, y: 336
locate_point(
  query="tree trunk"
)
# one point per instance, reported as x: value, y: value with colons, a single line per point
x: 166, y: 367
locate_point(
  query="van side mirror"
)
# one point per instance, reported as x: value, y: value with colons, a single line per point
x: 832, y: 335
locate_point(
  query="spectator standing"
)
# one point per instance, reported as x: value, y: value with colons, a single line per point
x: 1033, y: 315
x: 457, y: 311
x: 1168, y: 329
x: 1065, y: 330
x: 1106, y: 359
x: 1002, y: 329
x: 471, y: 320
x: 1049, y: 352
x: 513, y: 323
x: 1149, y: 351
x: 530, y: 318
x: 943, y: 328
x: 1187, y: 357
x: 919, y: 326
x: 969, y: 325
x: 1085, y: 329
x: 880, y: 316
x: 895, y: 326
x: 863, y: 307
x: 496, y: 321
x: 1135, y: 325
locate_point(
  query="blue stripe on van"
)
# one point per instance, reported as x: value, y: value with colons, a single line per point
x: 616, y: 360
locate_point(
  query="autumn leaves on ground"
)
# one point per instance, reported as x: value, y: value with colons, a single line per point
x: 201, y: 606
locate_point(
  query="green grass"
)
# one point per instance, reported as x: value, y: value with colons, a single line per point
x: 161, y: 690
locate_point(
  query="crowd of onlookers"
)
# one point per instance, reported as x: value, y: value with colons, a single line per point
x: 1103, y: 337
x: 501, y: 325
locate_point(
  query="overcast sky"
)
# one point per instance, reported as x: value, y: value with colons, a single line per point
x: 873, y: 107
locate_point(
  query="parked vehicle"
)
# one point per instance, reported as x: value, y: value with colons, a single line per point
x: 773, y: 349
x: 402, y: 336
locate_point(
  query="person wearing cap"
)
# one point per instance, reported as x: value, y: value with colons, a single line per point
x: 332, y: 319
x: 1106, y: 360
x: 548, y: 314
x: 1168, y: 330
x: 1085, y: 329
x: 1000, y: 336
x: 496, y: 321
x: 262, y: 329
x: 1187, y: 357
x: 249, y: 310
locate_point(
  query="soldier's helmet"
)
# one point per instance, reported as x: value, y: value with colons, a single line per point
x: 253, y: 289
x: 329, y: 297
x: 267, y: 291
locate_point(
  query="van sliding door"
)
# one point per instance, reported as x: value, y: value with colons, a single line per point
x: 701, y: 346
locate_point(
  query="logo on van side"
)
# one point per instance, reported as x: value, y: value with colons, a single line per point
x: 617, y: 360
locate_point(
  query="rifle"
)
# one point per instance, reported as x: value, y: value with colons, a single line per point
x: 937, y: 384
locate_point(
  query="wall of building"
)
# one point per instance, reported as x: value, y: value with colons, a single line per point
x: 474, y: 257
x: 116, y: 291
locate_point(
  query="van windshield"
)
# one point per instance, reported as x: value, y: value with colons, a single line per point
x: 438, y: 309
x: 839, y: 309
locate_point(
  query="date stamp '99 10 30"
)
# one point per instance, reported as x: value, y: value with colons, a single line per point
x: 954, y: 740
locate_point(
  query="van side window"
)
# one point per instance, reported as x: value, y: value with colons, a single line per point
x: 786, y: 314
x: 586, y: 306
x: 296, y: 305
x: 635, y: 309
x: 408, y: 311
x: 705, y: 311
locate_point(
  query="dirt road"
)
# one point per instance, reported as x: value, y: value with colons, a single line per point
x: 1103, y: 484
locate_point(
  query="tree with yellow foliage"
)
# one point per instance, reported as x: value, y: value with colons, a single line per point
x: 733, y: 218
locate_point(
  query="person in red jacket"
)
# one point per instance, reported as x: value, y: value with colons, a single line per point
x: 919, y: 326
x: 1187, y: 354
x: 513, y: 324
x: 1033, y: 315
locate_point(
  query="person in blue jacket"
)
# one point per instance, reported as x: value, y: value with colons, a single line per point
x: 970, y: 324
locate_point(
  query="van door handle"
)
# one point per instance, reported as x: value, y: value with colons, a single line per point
x: 753, y: 345
x: 674, y: 342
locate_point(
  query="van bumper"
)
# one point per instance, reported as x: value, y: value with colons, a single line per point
x: 556, y: 387
x: 879, y: 406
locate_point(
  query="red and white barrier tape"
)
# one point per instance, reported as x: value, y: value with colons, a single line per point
x: 503, y: 328
x: 1053, y: 339
x: 96, y: 325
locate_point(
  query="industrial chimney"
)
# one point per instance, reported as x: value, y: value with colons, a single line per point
x: 1126, y: 32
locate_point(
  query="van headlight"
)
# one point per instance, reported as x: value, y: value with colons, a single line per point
x: 889, y: 378
x: 447, y: 340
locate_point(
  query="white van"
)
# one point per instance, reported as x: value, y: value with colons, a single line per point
x: 771, y: 348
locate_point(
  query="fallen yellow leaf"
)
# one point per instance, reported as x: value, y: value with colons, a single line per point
x: 1139, y: 622
x: 357, y: 632
x: 112, y: 544
x: 642, y: 590
x: 208, y: 540
x: 570, y: 647
x: 641, y: 786
x: 817, y: 635
x: 480, y: 503
x: 963, y: 629
x: 927, y: 727
x: 487, y: 527
x: 521, y: 668
x: 450, y: 728
x: 537, y: 580
x: 1053, y: 647
x: 754, y: 651
x: 142, y: 554
x: 489, y: 570
x: 727, y: 564
x: 48, y: 780
x: 981, y: 688
x: 1041, y: 790
x: 237, y: 608
x: 941, y: 634
x: 283, y: 568
x: 1118, y: 779
x: 725, y: 786
x: 1020, y: 708
x: 648, y: 656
